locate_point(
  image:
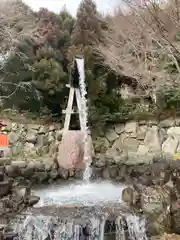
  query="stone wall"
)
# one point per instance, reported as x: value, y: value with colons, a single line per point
x: 32, y: 141
x: 141, y: 138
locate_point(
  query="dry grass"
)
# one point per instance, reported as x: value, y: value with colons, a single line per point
x: 142, y: 43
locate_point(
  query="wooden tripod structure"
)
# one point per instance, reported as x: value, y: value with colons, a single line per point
x: 74, y: 93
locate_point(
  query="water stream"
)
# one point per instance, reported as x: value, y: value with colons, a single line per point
x: 84, y: 114
x: 80, y: 211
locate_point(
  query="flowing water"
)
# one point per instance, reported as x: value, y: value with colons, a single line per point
x: 80, y: 211
x: 84, y: 114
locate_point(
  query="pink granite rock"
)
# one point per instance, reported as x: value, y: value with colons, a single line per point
x: 71, y: 150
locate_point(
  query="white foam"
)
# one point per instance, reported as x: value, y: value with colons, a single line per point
x: 80, y: 193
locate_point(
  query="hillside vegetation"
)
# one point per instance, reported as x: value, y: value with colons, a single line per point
x: 136, y: 47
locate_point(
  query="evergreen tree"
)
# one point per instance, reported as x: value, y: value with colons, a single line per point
x: 88, y: 24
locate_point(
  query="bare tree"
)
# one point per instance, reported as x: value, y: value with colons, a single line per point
x: 142, y: 42
x: 17, y: 22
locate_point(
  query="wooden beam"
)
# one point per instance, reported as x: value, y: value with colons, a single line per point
x: 69, y: 110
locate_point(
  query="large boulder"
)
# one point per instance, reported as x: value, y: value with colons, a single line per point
x: 170, y: 237
x: 71, y: 150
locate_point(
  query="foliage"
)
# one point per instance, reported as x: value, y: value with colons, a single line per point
x: 169, y: 98
x: 139, y: 49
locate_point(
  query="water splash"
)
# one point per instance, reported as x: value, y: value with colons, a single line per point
x: 81, y: 193
x: 136, y: 227
x: 84, y: 114
x: 43, y: 228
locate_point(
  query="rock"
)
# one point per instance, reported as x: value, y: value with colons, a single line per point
x: 96, y: 173
x: 145, y: 180
x: 63, y: 173
x: 113, y: 152
x: 130, y: 144
x: 130, y: 196
x: 170, y: 145
x: 135, y: 159
x: 21, y: 193
x: 4, y: 161
x: 51, y: 137
x: 28, y: 171
x: 178, y: 148
x: 31, y: 136
x: 152, y: 123
x: 152, y: 139
x: 113, y: 171
x: 48, y: 164
x: 175, y: 212
x: 13, y: 137
x: 173, y: 131
x: 59, y: 135
x: 155, y: 200
x: 17, y: 150
x: 105, y: 174
x: 42, y: 130
x: 34, y: 127
x: 99, y: 161
x: 71, y: 150
x: 12, y: 171
x: 19, y: 164
x: 52, y: 128
x: 160, y: 173
x: 167, y: 123
x: 155, y: 204
x: 121, y: 159
x: 119, y: 128
x: 124, y: 142
x: 5, y: 188
x: 141, y: 132
x: 170, y: 237
x: 39, y: 166
x: 29, y: 148
x: 142, y: 150
x: 41, y: 140
x: 162, y: 135
x: 8, y: 153
x: 53, y: 174
x: 101, y: 144
x: 1, y: 176
x: 177, y: 121
x: 32, y: 200
x: 130, y: 127
x: 14, y: 126
x: 2, y: 169
x: 41, y: 176
x: 122, y: 172
x: 111, y: 135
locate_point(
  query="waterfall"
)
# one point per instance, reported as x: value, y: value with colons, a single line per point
x: 136, y: 227
x: 84, y: 114
x: 53, y: 228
